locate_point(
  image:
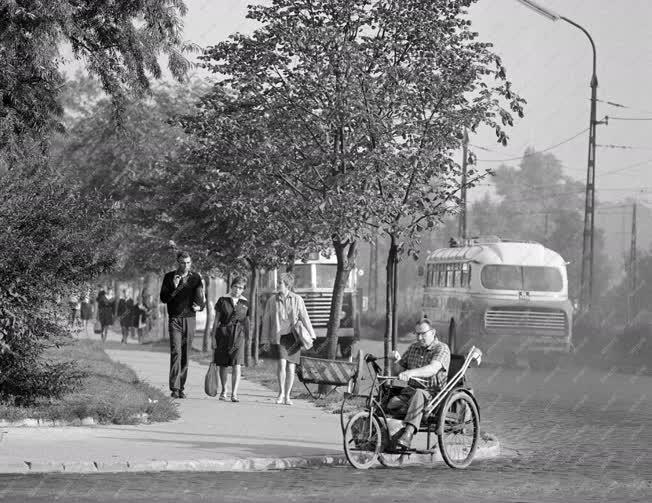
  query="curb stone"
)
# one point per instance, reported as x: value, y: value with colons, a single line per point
x: 142, y: 418
x: 221, y: 465
x: 44, y: 423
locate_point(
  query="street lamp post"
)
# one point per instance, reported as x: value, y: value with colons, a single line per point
x: 586, y: 284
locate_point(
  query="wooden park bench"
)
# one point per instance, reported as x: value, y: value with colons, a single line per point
x: 334, y: 373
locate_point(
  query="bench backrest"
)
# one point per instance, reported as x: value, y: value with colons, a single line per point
x: 321, y: 371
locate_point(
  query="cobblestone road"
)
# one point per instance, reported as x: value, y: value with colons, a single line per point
x: 571, y: 435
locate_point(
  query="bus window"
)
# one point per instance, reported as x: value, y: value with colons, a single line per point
x: 457, y: 278
x: 326, y: 275
x: 542, y: 279
x: 502, y: 277
x: 449, y: 275
x: 302, y: 276
x: 466, y: 274
x: 268, y: 280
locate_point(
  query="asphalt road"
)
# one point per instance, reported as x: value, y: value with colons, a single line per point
x: 567, y: 435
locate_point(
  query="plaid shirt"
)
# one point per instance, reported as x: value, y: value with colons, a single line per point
x: 418, y: 356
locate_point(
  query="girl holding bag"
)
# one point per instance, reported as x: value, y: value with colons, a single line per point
x: 230, y: 329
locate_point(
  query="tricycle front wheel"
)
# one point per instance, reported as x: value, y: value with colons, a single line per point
x: 362, y: 440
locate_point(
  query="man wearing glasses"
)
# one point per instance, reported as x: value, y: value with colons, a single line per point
x: 427, y: 359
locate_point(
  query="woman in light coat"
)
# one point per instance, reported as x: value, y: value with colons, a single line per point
x: 282, y: 311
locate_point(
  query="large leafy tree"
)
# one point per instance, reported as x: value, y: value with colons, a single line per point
x: 228, y: 208
x: 125, y: 165
x: 58, y: 233
x: 120, y: 43
x: 358, y: 104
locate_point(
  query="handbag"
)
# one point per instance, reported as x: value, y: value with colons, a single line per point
x: 97, y: 327
x: 211, y: 380
x: 301, y: 335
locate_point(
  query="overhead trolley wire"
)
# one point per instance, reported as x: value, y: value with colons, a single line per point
x: 537, y: 151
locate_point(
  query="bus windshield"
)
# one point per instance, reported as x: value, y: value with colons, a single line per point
x: 302, y: 276
x: 529, y: 278
x: 326, y: 275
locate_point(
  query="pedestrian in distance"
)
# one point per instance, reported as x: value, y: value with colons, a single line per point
x: 428, y: 360
x: 283, y: 311
x: 230, y: 330
x: 86, y: 312
x: 183, y: 292
x: 75, y: 307
x: 125, y: 315
x: 105, y: 307
x: 140, y: 312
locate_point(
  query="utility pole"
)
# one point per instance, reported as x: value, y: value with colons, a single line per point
x: 631, y: 304
x: 462, y: 222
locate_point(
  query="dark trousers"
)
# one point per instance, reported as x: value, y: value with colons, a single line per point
x: 181, y: 331
x: 410, y: 402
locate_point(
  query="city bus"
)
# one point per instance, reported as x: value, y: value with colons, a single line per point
x: 314, y: 279
x: 509, y: 298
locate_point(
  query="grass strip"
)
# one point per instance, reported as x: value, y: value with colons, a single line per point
x: 110, y: 392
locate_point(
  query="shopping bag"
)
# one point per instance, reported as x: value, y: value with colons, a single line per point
x: 97, y: 327
x: 301, y: 335
x: 211, y: 380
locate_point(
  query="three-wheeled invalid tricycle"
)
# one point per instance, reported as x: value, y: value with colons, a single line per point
x: 451, y: 419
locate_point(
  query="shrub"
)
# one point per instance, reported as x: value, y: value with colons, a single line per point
x: 52, y: 242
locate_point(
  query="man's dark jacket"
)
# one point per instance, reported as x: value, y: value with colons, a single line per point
x: 181, y: 299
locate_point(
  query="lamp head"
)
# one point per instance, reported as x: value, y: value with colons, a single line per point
x: 539, y: 9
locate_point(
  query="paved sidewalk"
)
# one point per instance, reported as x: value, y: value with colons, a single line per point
x: 211, y: 435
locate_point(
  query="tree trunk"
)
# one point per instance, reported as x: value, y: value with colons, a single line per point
x: 251, y: 342
x: 209, y: 312
x: 345, y: 262
x: 390, y: 291
x: 116, y: 296
x: 394, y: 300
x: 254, y: 326
x: 289, y: 267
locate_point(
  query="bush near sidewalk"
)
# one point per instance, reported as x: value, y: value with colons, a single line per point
x: 108, y: 391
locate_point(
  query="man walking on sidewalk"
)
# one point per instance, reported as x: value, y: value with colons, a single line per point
x: 183, y: 292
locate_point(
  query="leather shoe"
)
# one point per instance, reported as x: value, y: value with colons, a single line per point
x: 405, y: 440
x: 182, y: 394
x: 175, y: 394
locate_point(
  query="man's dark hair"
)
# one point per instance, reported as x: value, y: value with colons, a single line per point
x: 239, y: 280
x: 182, y: 254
